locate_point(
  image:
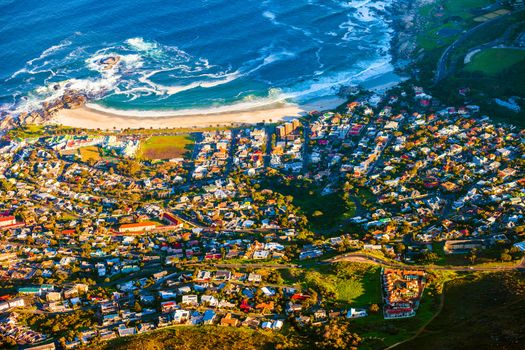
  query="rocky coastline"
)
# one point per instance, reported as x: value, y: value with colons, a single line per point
x: 403, y: 48
x: 71, y: 99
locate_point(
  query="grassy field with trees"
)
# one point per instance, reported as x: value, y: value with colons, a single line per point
x: 347, y: 284
x: 492, y: 72
x: 322, y: 211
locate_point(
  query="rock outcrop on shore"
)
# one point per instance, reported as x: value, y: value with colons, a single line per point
x: 70, y: 100
x: 109, y: 62
x: 405, y: 27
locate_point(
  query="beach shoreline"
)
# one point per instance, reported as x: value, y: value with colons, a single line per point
x: 89, y: 118
x: 93, y: 116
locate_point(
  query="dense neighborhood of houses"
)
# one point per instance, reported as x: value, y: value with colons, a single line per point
x: 136, y: 241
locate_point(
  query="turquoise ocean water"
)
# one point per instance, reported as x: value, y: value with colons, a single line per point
x: 181, y: 55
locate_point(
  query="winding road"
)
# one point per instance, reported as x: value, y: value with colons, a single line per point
x: 442, y: 70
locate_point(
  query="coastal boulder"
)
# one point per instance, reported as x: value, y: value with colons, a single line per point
x: 109, y: 62
x: 7, y: 122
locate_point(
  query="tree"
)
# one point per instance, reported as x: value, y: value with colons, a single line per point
x: 7, y: 342
x: 400, y: 248
x: 5, y: 185
x: 472, y: 256
x: 505, y: 257
x: 137, y: 307
x: 429, y: 257
x: 337, y: 335
x: 374, y: 308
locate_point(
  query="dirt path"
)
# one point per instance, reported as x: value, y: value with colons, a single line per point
x: 364, y: 258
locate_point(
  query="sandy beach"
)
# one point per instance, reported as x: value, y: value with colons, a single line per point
x: 89, y: 118
x: 95, y: 117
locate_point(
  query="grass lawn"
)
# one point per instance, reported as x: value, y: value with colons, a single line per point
x: 166, y: 147
x: 348, y: 290
x: 494, y: 61
x: 89, y: 152
x: 351, y: 284
x: 27, y: 131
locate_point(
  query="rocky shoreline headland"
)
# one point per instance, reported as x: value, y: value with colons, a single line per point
x: 405, y: 24
x: 71, y: 99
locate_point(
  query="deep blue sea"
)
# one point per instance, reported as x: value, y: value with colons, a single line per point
x: 180, y: 55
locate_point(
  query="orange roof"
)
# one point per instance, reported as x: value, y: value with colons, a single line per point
x: 269, y: 305
x: 138, y: 224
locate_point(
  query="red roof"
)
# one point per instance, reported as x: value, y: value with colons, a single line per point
x: 171, y: 218
x: 245, y: 306
x: 298, y: 296
x: 7, y: 218
x: 399, y: 311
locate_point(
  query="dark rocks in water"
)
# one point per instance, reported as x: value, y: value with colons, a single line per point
x: 109, y: 62
x: 71, y: 99
x: 7, y: 122
x: 75, y: 101
x: 67, y: 98
x: 346, y: 91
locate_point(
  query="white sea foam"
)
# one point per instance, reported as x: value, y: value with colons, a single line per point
x: 212, y: 79
x: 171, y: 90
x: 273, y: 18
x: 328, y: 85
x: 51, y: 50
x: 301, y: 93
x: 270, y: 16
x: 149, y: 68
x: 140, y: 44
x: 268, y: 59
x: 365, y: 14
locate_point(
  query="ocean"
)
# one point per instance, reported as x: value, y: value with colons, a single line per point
x: 188, y: 56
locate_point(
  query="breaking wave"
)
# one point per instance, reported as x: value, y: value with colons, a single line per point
x: 334, y: 43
